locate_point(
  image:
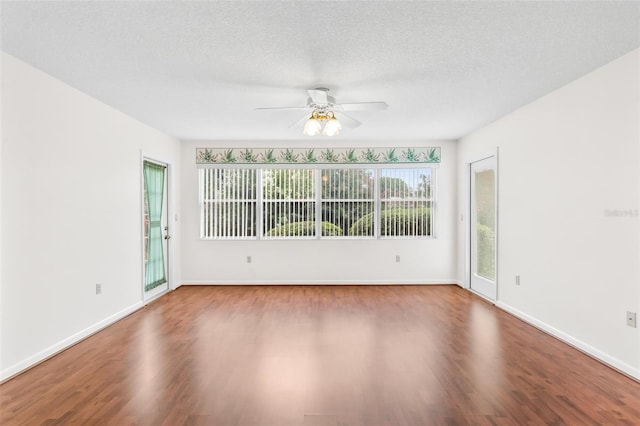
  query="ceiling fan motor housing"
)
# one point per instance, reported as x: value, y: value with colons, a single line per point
x: 319, y: 105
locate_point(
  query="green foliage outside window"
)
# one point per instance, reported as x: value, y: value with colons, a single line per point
x: 304, y: 229
x: 396, y: 222
x: 486, y: 248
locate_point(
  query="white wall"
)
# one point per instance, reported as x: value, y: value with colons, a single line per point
x: 319, y: 261
x: 2, y: 135
x: 71, y: 213
x: 565, y: 161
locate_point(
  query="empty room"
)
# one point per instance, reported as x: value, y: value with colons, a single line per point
x: 329, y: 213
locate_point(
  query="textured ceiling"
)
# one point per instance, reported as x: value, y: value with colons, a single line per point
x: 197, y: 70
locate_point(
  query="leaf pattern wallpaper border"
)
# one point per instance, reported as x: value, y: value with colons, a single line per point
x: 393, y: 155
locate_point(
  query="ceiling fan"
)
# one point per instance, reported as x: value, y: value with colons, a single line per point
x: 323, y: 108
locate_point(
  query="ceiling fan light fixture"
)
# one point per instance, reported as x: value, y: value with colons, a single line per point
x: 312, y: 127
x: 333, y: 126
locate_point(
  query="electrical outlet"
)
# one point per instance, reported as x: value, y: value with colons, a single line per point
x: 98, y: 288
x: 248, y: 259
x: 631, y: 319
x: 397, y: 258
x: 517, y: 279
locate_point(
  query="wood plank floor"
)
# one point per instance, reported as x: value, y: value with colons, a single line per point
x: 320, y: 356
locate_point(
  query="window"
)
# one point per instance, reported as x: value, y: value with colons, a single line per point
x: 354, y: 202
x: 289, y: 203
x: 348, y: 202
x: 405, y: 202
x: 228, y: 206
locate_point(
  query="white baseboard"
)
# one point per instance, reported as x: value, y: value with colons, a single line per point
x: 66, y: 343
x: 572, y: 341
x: 443, y: 281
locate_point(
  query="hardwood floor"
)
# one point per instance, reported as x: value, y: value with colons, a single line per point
x: 320, y: 356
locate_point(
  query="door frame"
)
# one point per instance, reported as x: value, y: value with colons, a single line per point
x: 468, y: 268
x: 147, y: 297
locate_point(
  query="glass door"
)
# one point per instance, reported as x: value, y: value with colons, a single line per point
x: 156, y: 229
x: 483, y: 227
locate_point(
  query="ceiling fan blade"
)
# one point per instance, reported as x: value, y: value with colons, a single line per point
x: 298, y: 122
x: 318, y: 96
x: 361, y: 106
x: 304, y: 108
x: 346, y: 120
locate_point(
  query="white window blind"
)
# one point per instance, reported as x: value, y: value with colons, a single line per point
x: 354, y: 202
x: 288, y: 200
x: 348, y: 197
x: 405, y: 202
x: 229, y: 200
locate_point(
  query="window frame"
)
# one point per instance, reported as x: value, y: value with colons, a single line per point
x: 373, y: 201
x: 262, y: 201
x: 317, y: 170
x: 430, y: 201
x: 204, y: 202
